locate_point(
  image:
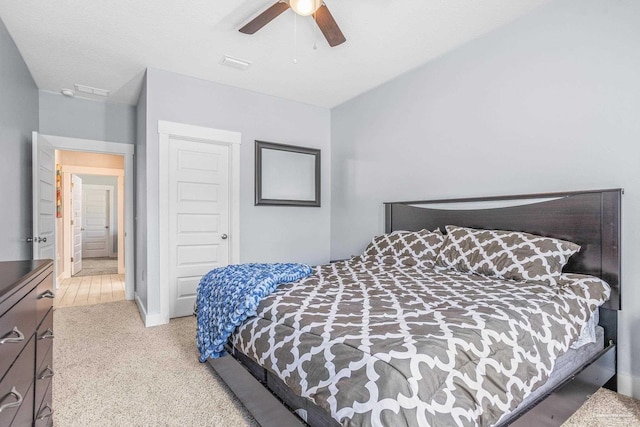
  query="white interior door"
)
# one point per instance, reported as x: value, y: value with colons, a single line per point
x: 44, y: 193
x: 198, y: 217
x: 96, y: 222
x: 76, y: 224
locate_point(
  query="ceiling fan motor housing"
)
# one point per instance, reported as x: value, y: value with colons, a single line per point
x: 305, y: 7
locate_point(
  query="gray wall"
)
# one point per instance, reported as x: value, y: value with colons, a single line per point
x: 267, y: 233
x: 18, y: 118
x: 87, y: 119
x: 548, y: 103
x: 140, y: 201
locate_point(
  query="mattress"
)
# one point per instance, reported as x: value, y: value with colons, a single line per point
x: 376, y: 344
x: 567, y: 364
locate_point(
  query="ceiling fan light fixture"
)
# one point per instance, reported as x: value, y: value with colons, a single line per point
x: 305, y: 7
x: 317, y: 8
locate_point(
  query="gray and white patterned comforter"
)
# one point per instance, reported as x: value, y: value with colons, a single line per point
x: 391, y: 345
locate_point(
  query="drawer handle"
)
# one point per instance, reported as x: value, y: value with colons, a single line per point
x: 8, y: 338
x: 42, y: 416
x: 48, y: 334
x: 47, y: 373
x: 15, y: 404
x: 47, y: 294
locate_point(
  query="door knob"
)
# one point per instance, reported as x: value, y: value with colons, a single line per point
x: 37, y: 239
x: 224, y: 237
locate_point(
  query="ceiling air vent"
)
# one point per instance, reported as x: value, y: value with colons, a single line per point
x: 91, y: 90
x: 230, y: 61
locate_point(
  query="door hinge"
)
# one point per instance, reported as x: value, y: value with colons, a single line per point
x: 71, y: 259
x: 71, y: 222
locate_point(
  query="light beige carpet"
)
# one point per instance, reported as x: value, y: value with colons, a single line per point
x: 98, y: 267
x: 112, y: 371
x: 607, y: 409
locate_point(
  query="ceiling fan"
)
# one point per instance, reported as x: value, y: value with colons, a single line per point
x: 317, y: 8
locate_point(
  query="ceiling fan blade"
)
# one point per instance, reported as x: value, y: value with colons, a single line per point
x: 265, y: 17
x: 328, y: 26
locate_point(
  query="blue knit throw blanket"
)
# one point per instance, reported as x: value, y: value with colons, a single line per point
x: 229, y: 295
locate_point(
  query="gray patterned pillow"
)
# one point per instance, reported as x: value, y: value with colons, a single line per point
x: 423, y: 246
x: 505, y: 254
x: 383, y: 245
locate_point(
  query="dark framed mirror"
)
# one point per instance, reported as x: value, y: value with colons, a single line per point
x: 287, y: 175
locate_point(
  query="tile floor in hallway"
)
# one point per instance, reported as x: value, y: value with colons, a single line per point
x: 89, y: 290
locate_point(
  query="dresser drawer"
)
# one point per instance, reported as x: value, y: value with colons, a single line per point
x: 44, y: 297
x: 16, y: 392
x: 44, y: 412
x: 44, y: 415
x: 24, y: 417
x: 44, y: 373
x: 16, y: 327
x: 44, y: 338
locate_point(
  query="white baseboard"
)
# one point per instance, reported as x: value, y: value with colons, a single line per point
x: 629, y: 385
x: 149, y: 319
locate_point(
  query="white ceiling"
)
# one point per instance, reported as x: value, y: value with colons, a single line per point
x: 108, y: 44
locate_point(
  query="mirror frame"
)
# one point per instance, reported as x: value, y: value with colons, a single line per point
x: 260, y: 182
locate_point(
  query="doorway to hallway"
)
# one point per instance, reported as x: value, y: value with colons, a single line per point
x: 92, y: 229
x: 50, y: 215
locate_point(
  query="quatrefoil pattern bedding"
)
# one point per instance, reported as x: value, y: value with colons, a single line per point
x: 378, y: 344
x: 415, y: 247
x: 505, y: 254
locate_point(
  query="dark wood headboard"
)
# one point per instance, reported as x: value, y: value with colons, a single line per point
x: 588, y: 218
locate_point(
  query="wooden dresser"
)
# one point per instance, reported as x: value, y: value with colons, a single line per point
x: 26, y: 343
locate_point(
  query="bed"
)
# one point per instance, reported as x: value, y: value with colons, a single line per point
x: 283, y: 346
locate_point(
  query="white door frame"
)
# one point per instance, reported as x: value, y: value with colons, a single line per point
x: 85, y: 170
x: 127, y: 151
x: 110, y: 189
x: 231, y: 139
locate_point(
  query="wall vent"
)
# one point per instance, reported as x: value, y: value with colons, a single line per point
x: 230, y: 61
x: 91, y: 90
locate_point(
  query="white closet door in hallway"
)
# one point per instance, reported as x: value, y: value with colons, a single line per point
x: 96, y: 220
x: 198, y: 217
x: 76, y: 224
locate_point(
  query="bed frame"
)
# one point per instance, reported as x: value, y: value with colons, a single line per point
x: 588, y: 218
